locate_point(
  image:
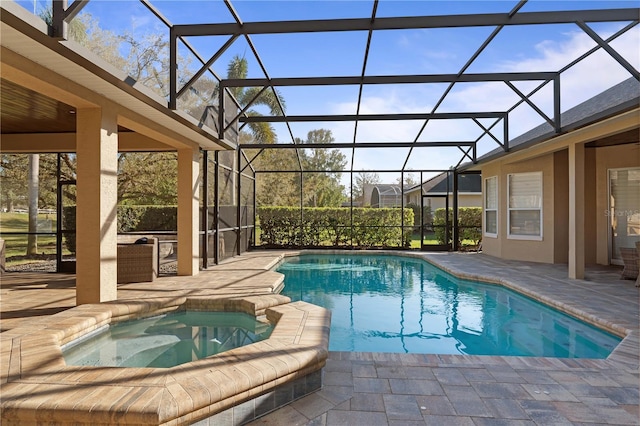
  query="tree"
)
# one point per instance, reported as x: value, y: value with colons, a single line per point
x: 238, y: 68
x: 361, y: 182
x: 148, y: 178
x: 275, y: 189
x: 322, y: 187
x: 77, y: 29
x: 13, y: 180
x: 278, y: 189
x: 33, y: 172
x: 409, y: 180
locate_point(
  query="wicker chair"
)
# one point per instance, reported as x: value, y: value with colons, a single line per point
x: 630, y: 259
x: 137, y: 262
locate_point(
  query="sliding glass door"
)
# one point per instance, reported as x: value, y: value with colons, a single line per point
x: 624, y: 211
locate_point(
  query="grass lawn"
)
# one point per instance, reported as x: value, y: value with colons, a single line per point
x: 16, y: 245
x: 430, y: 239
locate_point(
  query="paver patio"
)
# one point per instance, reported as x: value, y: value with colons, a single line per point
x: 405, y: 389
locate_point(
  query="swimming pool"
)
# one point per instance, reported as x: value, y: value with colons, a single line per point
x: 384, y: 303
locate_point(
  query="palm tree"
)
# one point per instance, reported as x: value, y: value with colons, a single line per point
x: 262, y: 132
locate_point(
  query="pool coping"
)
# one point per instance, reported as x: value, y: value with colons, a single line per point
x: 39, y: 387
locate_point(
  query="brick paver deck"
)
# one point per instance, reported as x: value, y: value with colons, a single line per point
x: 404, y: 389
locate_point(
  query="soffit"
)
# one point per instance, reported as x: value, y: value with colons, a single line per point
x: 631, y: 136
x: 25, y: 111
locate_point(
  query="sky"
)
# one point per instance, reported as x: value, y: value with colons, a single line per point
x: 398, y: 52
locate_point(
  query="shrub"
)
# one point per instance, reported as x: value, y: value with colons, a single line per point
x: 130, y: 219
x: 147, y: 218
x: 470, y: 225
x: 69, y: 222
x: 317, y: 226
x: 426, y: 215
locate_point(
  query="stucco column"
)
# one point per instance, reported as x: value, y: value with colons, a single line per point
x: 188, y: 203
x: 97, y: 197
x: 576, y: 211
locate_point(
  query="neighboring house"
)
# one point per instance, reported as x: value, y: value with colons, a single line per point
x: 440, y: 187
x: 571, y: 197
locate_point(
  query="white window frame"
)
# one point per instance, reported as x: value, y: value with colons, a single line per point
x: 487, y: 209
x: 510, y: 209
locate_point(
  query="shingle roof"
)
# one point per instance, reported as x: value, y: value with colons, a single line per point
x: 438, y: 184
x: 617, y: 99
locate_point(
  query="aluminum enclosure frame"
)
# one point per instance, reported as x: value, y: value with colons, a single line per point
x: 235, y: 30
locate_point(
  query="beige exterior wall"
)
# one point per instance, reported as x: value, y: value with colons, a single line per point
x: 554, y: 247
x: 464, y: 200
x: 561, y: 206
x: 510, y: 248
x: 613, y: 157
x: 590, y: 225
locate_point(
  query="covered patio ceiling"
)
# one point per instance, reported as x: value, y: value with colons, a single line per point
x: 473, y: 76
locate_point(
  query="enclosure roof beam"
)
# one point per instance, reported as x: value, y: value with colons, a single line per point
x: 334, y: 145
x: 408, y: 22
x: 389, y: 79
x: 359, y: 171
x: 370, y: 117
x: 363, y: 73
x: 464, y: 68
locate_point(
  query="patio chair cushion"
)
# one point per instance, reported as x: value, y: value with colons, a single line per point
x: 630, y: 259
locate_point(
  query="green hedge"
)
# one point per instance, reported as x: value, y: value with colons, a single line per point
x: 147, y: 218
x: 470, y: 220
x: 130, y: 219
x: 69, y: 222
x: 331, y: 226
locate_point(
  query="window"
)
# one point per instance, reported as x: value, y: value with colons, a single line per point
x: 525, y: 205
x: 491, y: 206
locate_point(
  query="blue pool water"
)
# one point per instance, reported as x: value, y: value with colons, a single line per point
x: 167, y: 340
x: 385, y: 303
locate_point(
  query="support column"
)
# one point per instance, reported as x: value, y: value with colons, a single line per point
x: 97, y: 197
x: 188, y: 204
x: 576, y: 211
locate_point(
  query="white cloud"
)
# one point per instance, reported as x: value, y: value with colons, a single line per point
x: 591, y: 76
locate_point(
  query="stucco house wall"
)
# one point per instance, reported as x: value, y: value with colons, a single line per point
x: 510, y: 247
x: 464, y: 200
x: 553, y: 248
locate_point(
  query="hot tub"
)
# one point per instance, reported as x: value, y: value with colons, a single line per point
x: 231, y: 387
